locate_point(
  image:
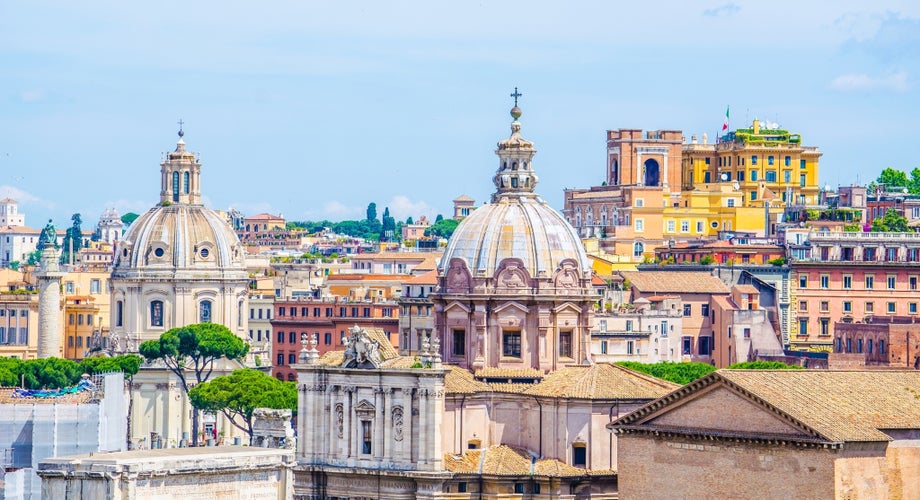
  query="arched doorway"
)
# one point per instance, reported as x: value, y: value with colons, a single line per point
x: 652, y: 174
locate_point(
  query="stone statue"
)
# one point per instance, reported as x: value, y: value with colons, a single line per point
x: 360, y: 350
x: 48, y: 237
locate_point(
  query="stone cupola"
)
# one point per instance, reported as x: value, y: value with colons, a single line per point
x: 515, y: 176
x: 180, y: 176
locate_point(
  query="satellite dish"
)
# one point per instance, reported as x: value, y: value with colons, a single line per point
x: 725, y: 177
x: 736, y: 186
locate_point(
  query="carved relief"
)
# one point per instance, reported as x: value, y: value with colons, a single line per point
x: 360, y: 350
x: 566, y: 275
x: 340, y: 420
x: 458, y: 278
x: 398, y: 423
x: 512, y: 274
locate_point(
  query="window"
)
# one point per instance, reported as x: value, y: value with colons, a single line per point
x: 803, y: 326
x: 519, y: 488
x: 881, y: 346
x: 204, y: 311
x: 912, y: 282
x: 847, y: 282
x: 640, y: 225
x: 747, y: 333
x: 280, y: 360
x: 802, y: 180
x: 565, y: 344
x: 629, y: 325
x: 803, y: 281
x: 731, y: 202
x: 704, y: 310
x: 740, y: 176
x: 686, y: 309
x: 699, y: 226
x: 687, y: 345
x: 579, y: 455
x: 892, y: 308
x: 68, y: 287
x: 825, y: 306
x: 753, y: 196
x: 511, y: 344
x: 801, y: 163
x: 603, y: 346
x: 292, y: 338
x: 292, y: 358
x: 825, y: 281
x: 185, y: 182
x: 94, y: 286
x: 638, y: 249
x: 847, y: 306
x: 366, y: 437
x: 787, y: 176
x: 671, y: 226
x: 684, y: 226
x: 911, y: 308
x: 640, y: 202
x: 280, y: 337
x: 754, y: 160
x: 803, y: 306
x: 461, y: 487
x: 770, y: 160
x: 754, y: 175
x: 869, y: 346
x: 459, y: 343
x: 175, y: 186
x: 870, y: 307
x: 156, y: 313
x: 787, y: 161
x: 825, y: 326
x: 891, y: 282
x: 870, y: 282
x: 705, y: 345
x: 859, y: 346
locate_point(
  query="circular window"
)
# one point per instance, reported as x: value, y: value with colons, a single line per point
x: 714, y: 224
x: 204, y: 253
x: 159, y: 252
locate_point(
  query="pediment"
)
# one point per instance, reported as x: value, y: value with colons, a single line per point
x: 457, y: 305
x: 511, y: 305
x: 365, y: 406
x: 725, y: 410
x: 567, y: 306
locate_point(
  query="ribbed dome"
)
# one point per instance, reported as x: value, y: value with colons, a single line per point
x: 517, y: 223
x: 180, y: 237
x: 525, y: 228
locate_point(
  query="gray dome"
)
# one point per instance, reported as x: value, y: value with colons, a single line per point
x: 180, y: 237
x: 523, y: 227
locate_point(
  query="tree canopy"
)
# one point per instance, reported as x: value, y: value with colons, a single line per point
x: 679, y: 373
x: 893, y: 178
x: 891, y: 222
x: 129, y: 218
x: 238, y: 394
x: 443, y: 228
x: 57, y: 373
x: 371, y: 211
x: 73, y: 238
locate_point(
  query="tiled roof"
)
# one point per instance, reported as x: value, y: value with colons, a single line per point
x: 504, y: 460
x: 601, y: 381
x: 747, y: 289
x: 463, y: 197
x: 263, y: 217
x: 429, y: 278
x: 461, y: 381
x: 675, y: 282
x: 835, y: 406
x: 508, y: 373
x: 510, y: 388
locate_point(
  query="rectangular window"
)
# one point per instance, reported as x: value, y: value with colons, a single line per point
x: 870, y: 307
x: 770, y: 160
x: 740, y: 176
x: 892, y: 307
x: 94, y: 286
x: 912, y: 282
x: 699, y: 226
x: 579, y: 455
x: 68, y: 287
x: 731, y: 202
x: 687, y: 310
x: 603, y: 346
x: 292, y: 338
x: 801, y: 163
x: 687, y: 345
x: 629, y: 347
x: 292, y: 358
x: 629, y: 325
x: 459, y: 343
x: 825, y: 282
x: 565, y: 344
x: 704, y: 310
x: 847, y: 306
x: 802, y: 180
x: 366, y: 437
x: 511, y: 344
x: 671, y: 226
x: 912, y: 308
x: 803, y: 281
x: 803, y: 306
x: 891, y: 282
x: 754, y: 175
x: 280, y: 337
x: 787, y: 176
x: 825, y: 306
x: 847, y: 282
x: 753, y: 161
x: 753, y: 196
x: 640, y: 225
x: 870, y: 282
x: 771, y: 176
x: 787, y: 161
x: 280, y: 359
x: 705, y: 345
x: 684, y: 226
x: 156, y: 313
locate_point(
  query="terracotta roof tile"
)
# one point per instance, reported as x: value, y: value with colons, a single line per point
x: 503, y: 460
x: 661, y: 282
x: 747, y: 289
x: 601, y: 381
x: 508, y: 373
x: 429, y: 278
x: 461, y: 381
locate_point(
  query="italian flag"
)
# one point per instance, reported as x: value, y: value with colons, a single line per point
x: 725, y: 123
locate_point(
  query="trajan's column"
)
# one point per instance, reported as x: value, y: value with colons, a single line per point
x: 49, y: 295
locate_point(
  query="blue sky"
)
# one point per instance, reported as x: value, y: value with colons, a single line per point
x: 315, y: 109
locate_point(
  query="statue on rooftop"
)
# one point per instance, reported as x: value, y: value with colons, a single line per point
x: 48, y: 237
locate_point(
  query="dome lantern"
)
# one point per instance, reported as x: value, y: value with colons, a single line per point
x: 515, y: 176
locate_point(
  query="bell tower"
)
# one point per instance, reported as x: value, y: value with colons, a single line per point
x: 180, y: 176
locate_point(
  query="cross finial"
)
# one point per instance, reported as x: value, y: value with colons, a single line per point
x: 180, y: 122
x: 515, y: 95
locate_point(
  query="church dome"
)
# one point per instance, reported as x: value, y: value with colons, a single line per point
x: 180, y: 233
x: 517, y: 223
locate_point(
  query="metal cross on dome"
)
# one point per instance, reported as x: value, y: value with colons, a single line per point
x: 180, y: 122
x: 515, y: 95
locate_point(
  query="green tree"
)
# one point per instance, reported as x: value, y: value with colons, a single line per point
x: 50, y: 373
x: 439, y: 218
x: 371, y: 211
x: 129, y: 364
x: 35, y: 257
x: 388, y: 228
x: 891, y: 222
x: 238, y: 394
x: 443, y: 228
x: 14, y: 265
x: 10, y: 368
x: 679, y: 373
x: 129, y: 218
x: 194, y: 348
x: 410, y: 221
x: 893, y: 178
x: 73, y: 238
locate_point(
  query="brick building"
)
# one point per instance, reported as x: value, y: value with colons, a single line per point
x: 881, y: 341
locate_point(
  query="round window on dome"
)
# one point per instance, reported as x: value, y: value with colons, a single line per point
x: 159, y: 252
x: 204, y: 253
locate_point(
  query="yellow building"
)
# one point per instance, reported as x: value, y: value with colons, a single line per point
x: 764, y: 162
x: 18, y: 324
x: 706, y: 209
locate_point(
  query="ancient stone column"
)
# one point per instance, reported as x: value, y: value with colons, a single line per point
x: 49, y: 304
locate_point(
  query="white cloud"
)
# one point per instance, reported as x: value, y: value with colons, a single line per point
x: 726, y: 10
x: 23, y: 197
x: 861, y: 81
x: 401, y: 208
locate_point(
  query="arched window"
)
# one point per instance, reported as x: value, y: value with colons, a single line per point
x: 204, y: 311
x: 156, y: 313
x: 239, y: 314
x: 638, y: 249
x: 119, y: 313
x: 175, y: 186
x: 185, y: 182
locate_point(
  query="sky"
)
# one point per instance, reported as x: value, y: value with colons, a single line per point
x: 315, y: 109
